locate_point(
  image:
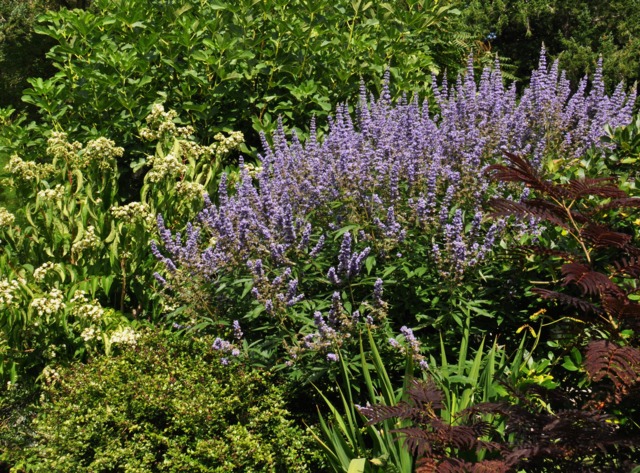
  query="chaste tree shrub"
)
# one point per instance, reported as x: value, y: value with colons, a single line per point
x: 381, y: 224
x: 166, y: 404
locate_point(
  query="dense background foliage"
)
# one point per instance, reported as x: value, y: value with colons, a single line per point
x: 236, y: 65
x: 575, y: 31
x: 405, y: 244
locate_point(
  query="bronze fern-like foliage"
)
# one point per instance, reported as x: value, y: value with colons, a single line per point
x: 621, y: 365
x: 535, y: 440
x: 430, y: 438
x: 521, y: 171
x: 601, y: 264
x: 600, y: 270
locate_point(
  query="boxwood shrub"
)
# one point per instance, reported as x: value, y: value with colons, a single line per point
x: 165, y: 405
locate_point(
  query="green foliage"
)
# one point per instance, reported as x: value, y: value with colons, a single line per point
x: 22, y: 52
x: 577, y: 32
x: 235, y: 65
x: 624, y: 157
x: 349, y: 445
x: 472, y: 379
x: 166, y: 405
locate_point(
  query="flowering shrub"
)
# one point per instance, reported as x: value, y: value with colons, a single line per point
x: 73, y: 252
x: 392, y: 203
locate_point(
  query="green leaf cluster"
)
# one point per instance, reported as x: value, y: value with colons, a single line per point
x: 232, y: 65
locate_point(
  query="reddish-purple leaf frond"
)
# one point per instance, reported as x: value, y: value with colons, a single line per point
x: 521, y: 171
x: 589, y: 282
x: 546, y: 211
x: 583, y: 306
x: 619, y: 364
x: 601, y: 236
x: 602, y: 187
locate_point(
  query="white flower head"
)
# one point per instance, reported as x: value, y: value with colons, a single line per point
x: 88, y: 240
x: 125, y: 336
x: 41, y: 272
x: 49, y: 305
x: 134, y: 212
x: 6, y: 218
x: 8, y: 289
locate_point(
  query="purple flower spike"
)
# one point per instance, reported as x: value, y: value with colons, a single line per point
x: 332, y: 276
x: 377, y: 292
x: 344, y: 257
x: 237, y: 331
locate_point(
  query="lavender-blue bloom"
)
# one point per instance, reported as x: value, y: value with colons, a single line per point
x: 237, y: 331
x: 316, y: 249
x: 160, y: 279
x: 397, y: 171
x: 332, y: 276
x: 356, y: 262
x: 221, y: 345
x: 344, y: 257
x: 377, y: 292
x: 268, y: 306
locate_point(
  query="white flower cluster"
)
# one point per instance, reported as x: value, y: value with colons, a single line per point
x: 88, y: 240
x: 162, y: 166
x: 59, y: 147
x: 161, y: 124
x: 55, y: 194
x: 49, y: 305
x: 52, y: 350
x: 225, y: 144
x: 102, y: 152
x: 253, y: 170
x: 89, y: 334
x: 190, y: 190
x: 133, y: 212
x: 125, y: 336
x: 7, y: 292
x: 50, y: 375
x: 195, y: 150
x: 6, y: 217
x: 40, y: 273
x: 83, y: 308
x: 28, y: 170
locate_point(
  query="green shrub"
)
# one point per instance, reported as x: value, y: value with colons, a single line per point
x: 233, y: 65
x: 22, y: 52
x: 165, y: 405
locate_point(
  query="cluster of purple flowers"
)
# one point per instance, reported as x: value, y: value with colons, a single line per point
x: 226, y: 347
x: 410, y: 347
x: 350, y: 263
x: 276, y: 294
x: 397, y: 171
